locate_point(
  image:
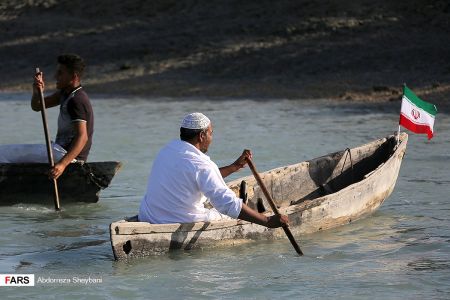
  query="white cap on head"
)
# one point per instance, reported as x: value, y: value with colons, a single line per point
x: 195, y: 121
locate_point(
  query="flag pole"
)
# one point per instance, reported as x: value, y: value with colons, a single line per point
x: 398, y: 132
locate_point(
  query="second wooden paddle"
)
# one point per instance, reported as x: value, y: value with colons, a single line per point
x: 49, y: 146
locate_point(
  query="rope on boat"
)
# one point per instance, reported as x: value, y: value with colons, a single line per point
x: 100, y: 182
x: 349, y: 153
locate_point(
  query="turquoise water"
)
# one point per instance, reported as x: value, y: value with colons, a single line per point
x: 401, y: 251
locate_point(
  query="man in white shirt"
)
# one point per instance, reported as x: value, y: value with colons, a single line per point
x: 183, y: 177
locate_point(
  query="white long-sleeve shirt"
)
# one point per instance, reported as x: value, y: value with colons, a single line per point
x: 181, y: 180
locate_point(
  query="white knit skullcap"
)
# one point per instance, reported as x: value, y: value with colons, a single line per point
x: 195, y: 121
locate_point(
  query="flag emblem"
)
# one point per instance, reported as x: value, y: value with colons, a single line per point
x: 415, y: 113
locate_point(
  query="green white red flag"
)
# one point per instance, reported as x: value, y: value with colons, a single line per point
x: 416, y: 114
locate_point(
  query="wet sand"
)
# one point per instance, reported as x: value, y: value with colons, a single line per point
x: 340, y: 50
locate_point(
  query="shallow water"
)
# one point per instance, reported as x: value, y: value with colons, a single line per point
x: 400, y: 251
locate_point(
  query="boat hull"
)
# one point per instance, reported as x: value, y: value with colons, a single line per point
x: 317, y: 206
x: 29, y: 183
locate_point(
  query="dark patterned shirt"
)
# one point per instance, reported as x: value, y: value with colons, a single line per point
x: 75, y: 107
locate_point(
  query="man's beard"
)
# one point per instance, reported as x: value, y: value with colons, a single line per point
x: 204, y: 150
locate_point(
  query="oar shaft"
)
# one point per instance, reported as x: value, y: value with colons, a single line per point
x: 291, y: 238
x: 263, y: 187
x: 49, y: 146
x: 273, y: 206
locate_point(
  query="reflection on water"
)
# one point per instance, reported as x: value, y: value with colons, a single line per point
x: 79, y: 245
x: 400, y: 251
x: 429, y: 264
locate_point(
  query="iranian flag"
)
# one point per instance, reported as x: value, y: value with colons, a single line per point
x: 416, y: 114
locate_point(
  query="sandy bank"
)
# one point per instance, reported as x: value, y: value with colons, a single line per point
x: 360, y: 51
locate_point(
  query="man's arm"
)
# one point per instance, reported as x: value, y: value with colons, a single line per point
x: 250, y: 215
x: 225, y: 201
x: 50, y: 101
x: 237, y: 165
x: 78, y: 143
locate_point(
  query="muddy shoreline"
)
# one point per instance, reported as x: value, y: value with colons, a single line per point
x: 338, y: 50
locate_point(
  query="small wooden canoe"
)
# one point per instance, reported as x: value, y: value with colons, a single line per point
x: 319, y: 194
x: 29, y: 183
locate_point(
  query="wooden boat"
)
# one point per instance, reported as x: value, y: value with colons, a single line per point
x: 29, y: 183
x: 319, y: 194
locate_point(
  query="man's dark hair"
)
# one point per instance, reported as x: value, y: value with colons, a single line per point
x: 187, y: 134
x: 73, y: 62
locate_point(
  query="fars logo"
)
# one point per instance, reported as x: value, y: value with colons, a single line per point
x: 16, y: 279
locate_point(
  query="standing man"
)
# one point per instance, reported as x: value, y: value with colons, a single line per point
x: 76, y: 119
x: 183, y: 177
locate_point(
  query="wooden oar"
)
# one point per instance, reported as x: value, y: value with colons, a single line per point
x: 272, y: 204
x: 49, y: 146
